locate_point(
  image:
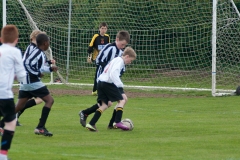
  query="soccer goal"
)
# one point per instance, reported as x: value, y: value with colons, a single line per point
x: 187, y: 45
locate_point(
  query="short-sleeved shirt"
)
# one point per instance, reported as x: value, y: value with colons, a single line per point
x: 109, y: 52
x: 97, y: 43
x: 10, y: 65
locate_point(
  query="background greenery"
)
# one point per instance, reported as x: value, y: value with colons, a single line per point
x: 172, y: 38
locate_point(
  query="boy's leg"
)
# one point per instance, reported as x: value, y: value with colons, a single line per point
x: 91, y: 126
x: 119, y: 112
x: 40, y: 129
x: 23, y: 98
x: 84, y: 114
x: 21, y: 103
x: 112, y: 120
x: 2, y: 124
x: 30, y: 103
x: 44, y: 94
x: 8, y: 108
x: 94, y: 91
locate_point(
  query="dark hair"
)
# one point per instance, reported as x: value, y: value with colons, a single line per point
x: 103, y: 24
x: 41, y: 39
x: 9, y: 34
x: 123, y: 35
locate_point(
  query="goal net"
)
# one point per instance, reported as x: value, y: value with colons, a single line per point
x: 173, y: 39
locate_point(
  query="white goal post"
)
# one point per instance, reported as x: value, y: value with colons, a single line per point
x: 184, y: 45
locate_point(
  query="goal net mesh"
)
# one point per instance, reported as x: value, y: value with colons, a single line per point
x: 172, y: 38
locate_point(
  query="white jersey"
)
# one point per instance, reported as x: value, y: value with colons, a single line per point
x: 112, y: 72
x: 11, y: 64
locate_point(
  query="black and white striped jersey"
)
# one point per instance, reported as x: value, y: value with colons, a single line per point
x: 35, y: 63
x: 29, y: 50
x: 109, y: 52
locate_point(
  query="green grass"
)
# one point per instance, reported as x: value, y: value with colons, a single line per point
x: 174, y: 128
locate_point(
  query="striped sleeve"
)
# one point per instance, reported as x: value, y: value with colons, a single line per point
x: 33, y: 62
x: 29, y: 50
x: 109, y: 52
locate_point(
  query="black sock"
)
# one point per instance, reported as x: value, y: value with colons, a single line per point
x: 90, y: 110
x: 44, y: 116
x: 113, y: 118
x: 7, y: 139
x: 119, y: 112
x: 96, y: 116
x: 30, y: 103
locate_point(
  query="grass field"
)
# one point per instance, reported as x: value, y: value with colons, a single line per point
x: 166, y: 128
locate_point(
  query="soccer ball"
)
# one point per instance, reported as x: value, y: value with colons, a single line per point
x: 129, y: 123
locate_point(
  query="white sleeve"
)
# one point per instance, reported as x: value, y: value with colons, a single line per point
x: 20, y: 71
x: 115, y: 74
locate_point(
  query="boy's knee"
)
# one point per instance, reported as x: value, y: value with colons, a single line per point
x: 109, y: 103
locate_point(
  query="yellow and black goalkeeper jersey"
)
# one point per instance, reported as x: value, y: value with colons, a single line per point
x: 97, y: 43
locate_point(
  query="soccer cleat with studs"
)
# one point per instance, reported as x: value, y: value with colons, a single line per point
x: 122, y: 126
x: 91, y: 128
x: 43, y: 131
x: 83, y: 118
x: 94, y: 93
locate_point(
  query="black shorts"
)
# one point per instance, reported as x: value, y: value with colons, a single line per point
x: 41, y: 92
x: 108, y: 92
x: 7, y: 108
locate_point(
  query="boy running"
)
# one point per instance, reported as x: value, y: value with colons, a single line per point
x: 36, y: 64
x: 10, y: 64
x: 33, y: 44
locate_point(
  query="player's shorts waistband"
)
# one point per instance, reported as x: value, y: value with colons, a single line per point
x: 31, y: 86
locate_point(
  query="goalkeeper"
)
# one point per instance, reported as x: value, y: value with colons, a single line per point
x: 97, y: 43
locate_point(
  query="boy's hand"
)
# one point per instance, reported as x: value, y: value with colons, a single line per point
x: 89, y: 58
x: 54, y: 68
x: 41, y: 75
x: 53, y: 61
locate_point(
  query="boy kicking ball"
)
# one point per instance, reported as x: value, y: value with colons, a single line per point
x: 110, y: 88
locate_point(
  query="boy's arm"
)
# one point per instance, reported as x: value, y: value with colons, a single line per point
x: 20, y: 71
x: 90, y: 48
x: 105, y: 58
x: 46, y: 64
x: 115, y: 75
